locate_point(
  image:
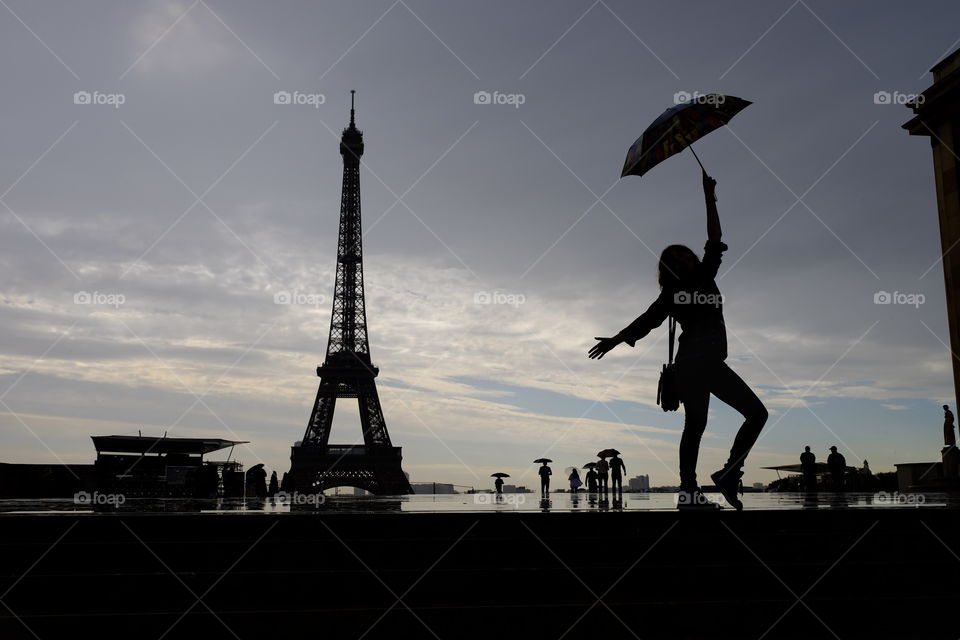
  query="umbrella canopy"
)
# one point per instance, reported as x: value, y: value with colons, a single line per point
x: 590, y: 465
x: 608, y: 453
x: 543, y: 460
x: 499, y: 475
x: 678, y: 128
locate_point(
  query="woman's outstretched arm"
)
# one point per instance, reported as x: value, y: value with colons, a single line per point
x: 713, y: 218
x: 650, y: 319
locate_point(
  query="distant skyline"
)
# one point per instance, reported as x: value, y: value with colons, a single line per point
x: 170, y: 188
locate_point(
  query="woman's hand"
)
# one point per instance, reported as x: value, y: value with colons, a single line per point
x: 601, y: 348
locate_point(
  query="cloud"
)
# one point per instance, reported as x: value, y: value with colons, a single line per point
x: 179, y: 39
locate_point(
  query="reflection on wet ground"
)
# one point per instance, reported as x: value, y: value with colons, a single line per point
x: 467, y: 503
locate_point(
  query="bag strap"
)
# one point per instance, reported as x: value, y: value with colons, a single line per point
x: 672, y: 324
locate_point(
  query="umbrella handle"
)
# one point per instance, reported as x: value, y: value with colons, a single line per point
x: 690, y: 146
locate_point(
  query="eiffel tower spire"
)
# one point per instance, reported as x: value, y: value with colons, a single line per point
x: 347, y: 371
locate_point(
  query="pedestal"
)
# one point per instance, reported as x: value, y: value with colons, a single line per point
x: 951, y: 461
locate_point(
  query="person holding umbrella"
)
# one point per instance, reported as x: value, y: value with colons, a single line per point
x: 615, y: 467
x: 545, y: 473
x: 591, y: 476
x: 498, y: 483
x: 603, y: 475
x: 690, y: 296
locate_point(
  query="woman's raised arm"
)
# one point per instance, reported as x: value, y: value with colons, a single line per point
x: 713, y: 218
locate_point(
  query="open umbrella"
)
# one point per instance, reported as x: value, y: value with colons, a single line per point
x: 608, y: 453
x: 541, y: 460
x: 499, y: 475
x: 590, y: 465
x: 678, y: 128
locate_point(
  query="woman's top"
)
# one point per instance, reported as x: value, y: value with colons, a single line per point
x: 697, y: 306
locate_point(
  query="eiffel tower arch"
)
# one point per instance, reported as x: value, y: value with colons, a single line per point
x: 347, y: 371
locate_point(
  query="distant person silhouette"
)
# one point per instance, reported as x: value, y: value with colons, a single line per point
x: 603, y: 469
x: 949, y: 439
x: 808, y: 466
x: 498, y: 483
x: 837, y: 465
x: 575, y: 481
x: 545, y: 473
x: 689, y: 294
x: 617, y: 469
x: 591, y: 480
x: 274, y: 487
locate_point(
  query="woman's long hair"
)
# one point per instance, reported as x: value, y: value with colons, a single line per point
x: 674, y: 262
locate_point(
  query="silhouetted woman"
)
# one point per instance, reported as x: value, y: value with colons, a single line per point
x: 689, y: 293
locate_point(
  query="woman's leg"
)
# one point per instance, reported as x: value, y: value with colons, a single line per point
x: 731, y: 389
x: 695, y: 394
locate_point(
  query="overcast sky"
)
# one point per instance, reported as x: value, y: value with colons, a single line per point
x: 148, y: 230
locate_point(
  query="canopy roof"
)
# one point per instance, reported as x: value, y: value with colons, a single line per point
x: 797, y: 468
x: 139, y: 444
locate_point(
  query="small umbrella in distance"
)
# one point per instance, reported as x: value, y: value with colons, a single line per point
x: 499, y: 475
x: 678, y: 128
x: 542, y: 460
x: 608, y: 453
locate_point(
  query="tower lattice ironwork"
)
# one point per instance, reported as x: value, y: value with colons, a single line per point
x: 347, y: 370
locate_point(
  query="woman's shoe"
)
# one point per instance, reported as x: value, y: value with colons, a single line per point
x: 727, y: 482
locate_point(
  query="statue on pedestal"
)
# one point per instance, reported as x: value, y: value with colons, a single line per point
x: 950, y: 455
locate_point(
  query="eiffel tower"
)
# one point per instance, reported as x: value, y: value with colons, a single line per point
x: 347, y: 371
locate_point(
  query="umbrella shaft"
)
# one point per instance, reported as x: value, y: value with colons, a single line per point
x: 697, y: 157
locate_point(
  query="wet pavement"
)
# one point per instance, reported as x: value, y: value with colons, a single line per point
x: 468, y: 503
